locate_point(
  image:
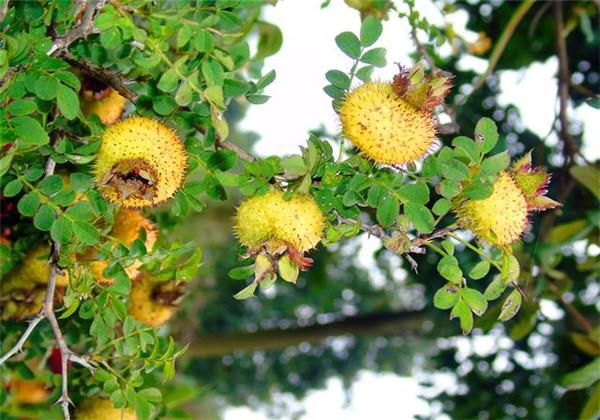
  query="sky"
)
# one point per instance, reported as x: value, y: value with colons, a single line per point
x: 298, y: 104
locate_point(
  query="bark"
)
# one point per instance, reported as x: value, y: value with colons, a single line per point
x: 378, y: 324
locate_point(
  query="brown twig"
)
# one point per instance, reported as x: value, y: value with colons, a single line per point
x: 242, y: 154
x: 503, y: 41
x: 82, y: 30
x: 106, y: 76
x: 47, y: 312
x: 570, y: 146
x: 447, y: 128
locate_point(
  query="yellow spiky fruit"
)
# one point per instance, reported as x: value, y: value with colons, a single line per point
x: 270, y: 220
x: 499, y: 219
x: 299, y: 222
x: 109, y: 108
x: 103, y: 409
x: 384, y: 126
x: 125, y: 230
x: 144, y: 306
x: 35, y: 269
x: 141, y: 162
x: 254, y: 221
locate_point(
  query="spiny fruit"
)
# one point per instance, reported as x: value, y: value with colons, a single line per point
x: 153, y: 303
x: 103, y: 409
x: 35, y: 269
x: 502, y: 218
x: 125, y: 230
x: 28, y: 391
x: 108, y: 105
x: 141, y: 162
x: 270, y: 220
x: 392, y: 123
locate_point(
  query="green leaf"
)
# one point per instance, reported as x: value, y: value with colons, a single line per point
x: 375, y: 57
x: 241, y: 273
x: 454, y: 169
x: 168, y: 81
x: 266, y: 80
x: 387, y: 210
x: 370, y: 31
x: 420, y: 216
x: 486, y: 134
x: 475, y: 300
x: 494, y: 290
x: 204, y: 41
x: 5, y: 162
x: 213, y: 73
x: 464, y: 314
x: 449, y: 189
x: 288, y: 269
x: 30, y: 131
x: 22, y: 107
x: 591, y: 409
x: 480, y: 270
x: 416, y: 193
x: 151, y: 394
x: 349, y: 44
x: 511, y: 306
x: 69, y: 79
x: 68, y: 102
x: 449, y: 269
x: 28, y: 204
x: 46, y: 87
x: 364, y: 73
x: 447, y: 296
x: 223, y: 160
x: 110, y: 38
x: 441, y: 207
x: 334, y: 92
x: 44, y: 218
x: 495, y: 164
x: 338, y: 78
x: 164, y: 104
x: 13, y: 188
x: 587, y: 176
x: 62, y: 230
x: 468, y: 147
x: 270, y: 39
x: 51, y: 185
x: 479, y: 190
x: 81, y: 182
x: 294, y: 164
x: 257, y: 99
x: 246, y: 292
x: 81, y: 211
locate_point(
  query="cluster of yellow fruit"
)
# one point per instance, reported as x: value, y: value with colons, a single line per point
x: 392, y: 123
x: 271, y: 226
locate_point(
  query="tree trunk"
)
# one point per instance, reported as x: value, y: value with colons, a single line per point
x: 378, y: 324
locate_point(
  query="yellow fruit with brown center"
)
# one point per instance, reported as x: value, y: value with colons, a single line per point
x: 103, y: 409
x: 385, y: 127
x: 141, y: 162
x: 499, y: 219
x: 144, y: 304
x: 125, y: 230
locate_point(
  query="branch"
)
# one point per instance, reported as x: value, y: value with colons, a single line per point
x: 106, y: 76
x: 570, y: 147
x: 82, y: 30
x: 382, y: 324
x: 514, y: 21
x: 584, y: 324
x: 47, y: 312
